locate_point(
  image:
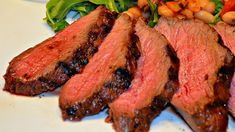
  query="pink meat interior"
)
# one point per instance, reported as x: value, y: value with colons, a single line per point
x: 200, y: 58
x: 111, y: 55
x: 151, y: 75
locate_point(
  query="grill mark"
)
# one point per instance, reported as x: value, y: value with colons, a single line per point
x: 203, y: 119
x: 157, y: 105
x: 143, y: 117
x: 110, y: 90
x: 172, y: 54
x: 224, y: 79
x: 214, y: 117
x: 135, y: 50
x: 64, y: 69
x: 218, y: 108
x: 93, y: 36
x: 122, y: 78
x: 82, y: 55
x: 26, y: 76
x: 120, y: 82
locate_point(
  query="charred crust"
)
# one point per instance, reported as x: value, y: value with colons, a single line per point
x: 224, y: 78
x: 172, y: 54
x: 122, y: 73
x: 111, y: 89
x: 64, y: 69
x: 133, y: 54
x: 173, y: 73
x: 71, y: 111
x: 135, y: 50
x: 121, y: 79
x: 143, y: 117
x: 214, y: 117
x: 206, y: 120
x: 94, y: 104
x: 48, y: 83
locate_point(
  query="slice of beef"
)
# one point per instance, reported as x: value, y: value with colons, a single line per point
x: 227, y: 33
x: 202, y: 95
x: 51, y: 63
x: 106, y: 76
x: 152, y: 87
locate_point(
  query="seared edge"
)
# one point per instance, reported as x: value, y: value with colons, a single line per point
x: 143, y: 117
x: 214, y: 117
x: 227, y: 33
x: 120, y: 82
x: 64, y: 69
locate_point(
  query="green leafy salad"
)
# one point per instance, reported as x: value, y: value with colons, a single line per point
x: 57, y: 10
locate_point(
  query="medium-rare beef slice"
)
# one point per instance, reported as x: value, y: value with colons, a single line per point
x: 152, y: 87
x: 106, y: 76
x: 51, y: 63
x: 201, y: 97
x: 227, y: 33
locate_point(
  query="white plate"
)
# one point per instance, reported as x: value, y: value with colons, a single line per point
x: 21, y: 27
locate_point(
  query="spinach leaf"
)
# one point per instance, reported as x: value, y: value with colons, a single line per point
x: 83, y: 8
x: 154, y: 14
x: 56, y: 13
x: 62, y: 7
x: 125, y: 5
x: 57, y: 10
x: 218, y: 8
x: 111, y: 5
x: 58, y: 26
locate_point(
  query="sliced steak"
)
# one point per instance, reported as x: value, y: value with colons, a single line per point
x: 202, y: 95
x: 106, y: 76
x: 152, y: 87
x: 227, y: 32
x: 51, y: 63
